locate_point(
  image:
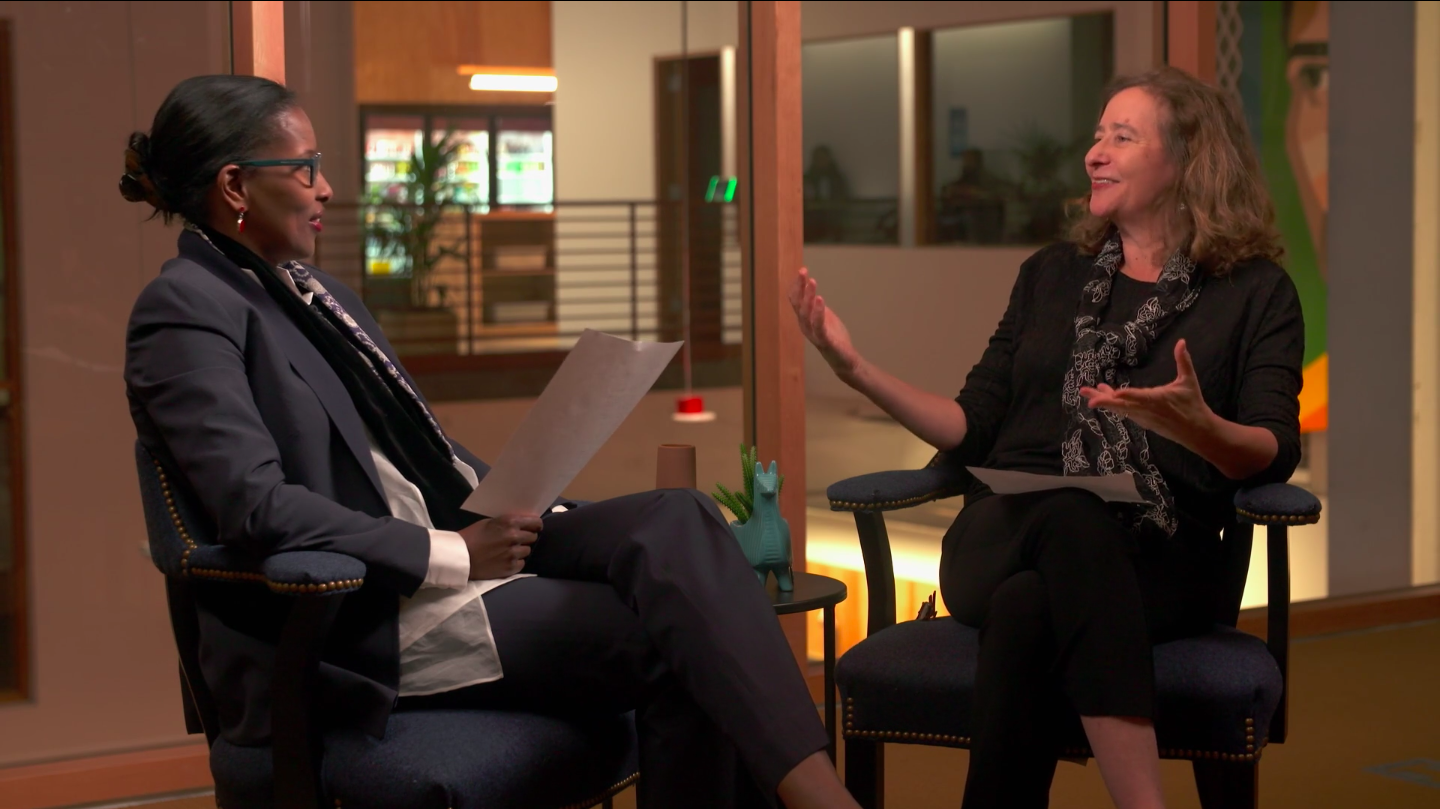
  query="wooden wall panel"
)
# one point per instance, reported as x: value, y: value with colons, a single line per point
x: 772, y: 214
x: 258, y: 38
x: 1192, y: 37
x: 409, y: 52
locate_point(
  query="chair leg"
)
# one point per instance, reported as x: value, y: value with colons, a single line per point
x: 1228, y: 784
x: 865, y: 772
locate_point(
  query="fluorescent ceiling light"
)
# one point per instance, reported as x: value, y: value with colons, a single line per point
x: 504, y: 82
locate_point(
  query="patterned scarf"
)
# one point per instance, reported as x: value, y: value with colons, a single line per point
x: 1101, y: 442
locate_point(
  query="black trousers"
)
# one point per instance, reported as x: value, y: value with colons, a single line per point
x: 1068, y: 605
x: 646, y: 603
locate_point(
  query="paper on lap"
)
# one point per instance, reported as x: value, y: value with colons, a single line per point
x: 597, y: 386
x: 1112, y: 488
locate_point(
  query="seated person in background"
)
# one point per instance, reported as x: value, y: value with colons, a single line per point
x: 972, y: 206
x: 271, y: 389
x: 1161, y: 341
x: 827, y: 194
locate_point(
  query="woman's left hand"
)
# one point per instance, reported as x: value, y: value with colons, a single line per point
x: 1176, y: 411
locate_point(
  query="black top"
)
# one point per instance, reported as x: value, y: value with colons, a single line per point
x: 1245, y: 334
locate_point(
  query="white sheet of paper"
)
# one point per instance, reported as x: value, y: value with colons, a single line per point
x: 1113, y: 488
x: 596, y: 387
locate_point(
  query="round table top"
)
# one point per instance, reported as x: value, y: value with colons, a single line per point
x: 812, y: 592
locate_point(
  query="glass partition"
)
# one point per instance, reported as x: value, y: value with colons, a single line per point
x: 488, y: 228
x: 852, y: 140
x: 1014, y: 107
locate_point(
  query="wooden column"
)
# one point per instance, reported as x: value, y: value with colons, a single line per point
x: 771, y: 222
x: 1191, y: 37
x: 257, y: 39
x: 924, y: 68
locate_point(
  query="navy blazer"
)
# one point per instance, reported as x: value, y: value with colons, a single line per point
x: 228, y: 390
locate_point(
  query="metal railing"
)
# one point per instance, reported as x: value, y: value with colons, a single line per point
x: 460, y: 280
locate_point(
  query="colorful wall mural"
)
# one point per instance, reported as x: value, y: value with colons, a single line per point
x: 1277, y: 55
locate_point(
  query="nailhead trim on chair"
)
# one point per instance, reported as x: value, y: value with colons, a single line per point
x: 1279, y: 519
x: 845, y: 505
x: 1252, y: 754
x: 179, y: 523
x: 609, y: 793
x: 235, y: 575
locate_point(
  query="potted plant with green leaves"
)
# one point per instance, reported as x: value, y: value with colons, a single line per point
x: 1046, y: 167
x: 409, y: 226
x: 763, y: 534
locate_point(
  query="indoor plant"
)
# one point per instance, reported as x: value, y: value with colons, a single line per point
x: 406, y: 225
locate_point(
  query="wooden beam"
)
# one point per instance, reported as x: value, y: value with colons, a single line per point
x: 106, y: 778
x: 1191, y: 37
x: 772, y: 220
x: 257, y: 39
x: 1327, y: 616
x: 924, y: 137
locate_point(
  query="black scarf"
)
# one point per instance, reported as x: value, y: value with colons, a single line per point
x: 1101, y: 442
x: 398, y: 425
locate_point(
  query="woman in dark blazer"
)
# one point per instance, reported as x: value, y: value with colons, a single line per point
x: 273, y: 391
x: 1161, y: 341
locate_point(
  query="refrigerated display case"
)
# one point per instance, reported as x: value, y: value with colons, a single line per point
x: 525, y: 165
x: 390, y: 143
x: 501, y: 182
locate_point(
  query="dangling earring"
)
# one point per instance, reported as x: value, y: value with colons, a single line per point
x: 1182, y: 207
x: 240, y: 220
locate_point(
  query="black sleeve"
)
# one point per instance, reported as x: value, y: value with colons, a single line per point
x: 985, y: 399
x: 1271, y: 377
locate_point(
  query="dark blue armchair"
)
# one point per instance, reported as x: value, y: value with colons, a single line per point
x: 430, y: 759
x: 1221, y: 695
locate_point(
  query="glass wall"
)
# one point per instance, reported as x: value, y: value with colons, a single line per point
x: 1275, y: 58
x: 852, y: 141
x: 1014, y: 108
x: 487, y: 229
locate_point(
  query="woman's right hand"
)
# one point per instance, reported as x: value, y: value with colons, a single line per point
x: 498, y: 546
x: 821, y: 326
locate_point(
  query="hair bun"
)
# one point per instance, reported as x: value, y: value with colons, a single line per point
x: 136, y: 185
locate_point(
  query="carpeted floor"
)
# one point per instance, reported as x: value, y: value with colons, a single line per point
x: 1365, y: 732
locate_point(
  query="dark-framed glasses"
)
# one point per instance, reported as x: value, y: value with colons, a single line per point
x: 312, y: 162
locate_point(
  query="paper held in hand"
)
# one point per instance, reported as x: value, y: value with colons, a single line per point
x: 1113, y: 488
x: 597, y: 386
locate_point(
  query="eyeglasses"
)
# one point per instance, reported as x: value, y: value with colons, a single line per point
x: 312, y: 162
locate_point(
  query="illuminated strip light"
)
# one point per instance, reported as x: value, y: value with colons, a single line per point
x: 506, y: 83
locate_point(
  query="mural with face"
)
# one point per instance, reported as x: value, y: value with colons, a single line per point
x: 1285, y: 87
x: 1307, y: 131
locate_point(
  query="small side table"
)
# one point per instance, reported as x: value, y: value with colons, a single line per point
x: 813, y: 592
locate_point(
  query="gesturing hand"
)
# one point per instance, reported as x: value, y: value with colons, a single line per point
x: 821, y: 326
x: 498, y: 546
x: 1176, y: 411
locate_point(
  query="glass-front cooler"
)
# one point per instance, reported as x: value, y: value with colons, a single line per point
x: 525, y: 165
x: 468, y: 174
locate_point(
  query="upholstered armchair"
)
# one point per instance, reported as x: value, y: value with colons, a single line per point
x: 1221, y: 695
x: 428, y: 759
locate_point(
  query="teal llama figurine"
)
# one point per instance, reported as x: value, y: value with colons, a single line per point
x: 763, y: 534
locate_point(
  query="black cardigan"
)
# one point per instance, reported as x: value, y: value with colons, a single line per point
x: 1245, y: 334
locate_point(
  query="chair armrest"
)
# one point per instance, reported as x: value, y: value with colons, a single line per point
x: 293, y: 573
x: 900, y: 489
x: 1277, y: 504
